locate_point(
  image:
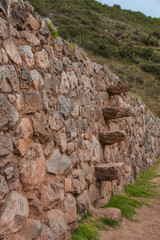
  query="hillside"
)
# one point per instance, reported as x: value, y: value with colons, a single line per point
x: 128, y: 42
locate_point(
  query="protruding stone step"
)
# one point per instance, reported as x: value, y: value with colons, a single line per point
x: 111, y: 213
x: 119, y: 88
x: 109, y: 138
x: 108, y: 172
x: 116, y: 112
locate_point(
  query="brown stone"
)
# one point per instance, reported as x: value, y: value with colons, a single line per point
x: 70, y: 208
x: 32, y: 22
x: 31, y: 38
x: 32, y: 167
x: 41, y: 129
x: 111, y: 213
x: 14, y: 215
x: 108, y: 172
x: 119, y: 88
x: 42, y: 60
x: 83, y: 202
x: 116, y: 112
x: 12, y: 51
x: 57, y: 225
x: 109, y: 138
x: 8, y: 79
x: 32, y: 102
x: 52, y: 194
x: 68, y: 185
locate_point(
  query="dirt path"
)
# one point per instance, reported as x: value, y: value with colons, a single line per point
x: 148, y: 227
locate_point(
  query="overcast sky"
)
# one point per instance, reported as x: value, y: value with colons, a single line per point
x: 148, y: 7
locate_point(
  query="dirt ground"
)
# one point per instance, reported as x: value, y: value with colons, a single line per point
x: 147, y: 227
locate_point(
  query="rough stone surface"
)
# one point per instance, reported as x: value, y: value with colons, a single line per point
x: 53, y: 162
x: 14, y: 215
x: 111, y: 213
x: 109, y: 138
x: 32, y: 102
x: 57, y: 225
x: 58, y: 110
x: 8, y: 114
x: 31, y: 38
x: 8, y: 79
x: 27, y: 55
x: 12, y: 51
x: 108, y: 172
x: 32, y: 167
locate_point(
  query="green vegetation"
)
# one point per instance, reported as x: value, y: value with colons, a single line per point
x: 53, y: 33
x: 143, y: 188
x: 128, y: 42
x: 125, y: 204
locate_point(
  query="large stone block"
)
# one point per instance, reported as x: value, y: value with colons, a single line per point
x: 111, y: 137
x: 108, y: 172
x: 12, y: 51
x: 32, y: 102
x: 14, y: 215
x: 8, y: 79
x: 57, y: 225
x: 32, y: 168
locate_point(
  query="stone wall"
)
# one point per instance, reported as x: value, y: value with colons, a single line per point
x: 58, y: 154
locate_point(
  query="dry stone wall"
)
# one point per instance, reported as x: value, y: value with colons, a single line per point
x: 60, y: 153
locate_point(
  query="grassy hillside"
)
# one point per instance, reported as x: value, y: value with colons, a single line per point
x: 128, y: 42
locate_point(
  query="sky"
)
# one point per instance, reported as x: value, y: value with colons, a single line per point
x: 148, y: 7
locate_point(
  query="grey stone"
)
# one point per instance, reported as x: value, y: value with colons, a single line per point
x: 70, y: 208
x: 9, y: 172
x: 73, y: 81
x: 63, y: 106
x: 12, y: 51
x: 3, y: 187
x: 53, y: 162
x: 55, y: 120
x: 3, y: 29
x: 27, y: 55
x: 26, y: 81
x: 8, y: 115
x: 64, y: 84
x: 14, y: 11
x: 36, y: 79
x: 83, y: 202
x: 51, y: 84
x: 65, y: 164
x: 3, y: 57
x: 71, y: 130
x: 44, y: 28
x: 5, y: 146
x: 14, y: 214
x: 74, y: 109
x: 34, y: 229
x: 8, y: 79
x: 57, y: 224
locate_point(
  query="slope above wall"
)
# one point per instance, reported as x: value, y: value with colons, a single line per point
x: 52, y: 102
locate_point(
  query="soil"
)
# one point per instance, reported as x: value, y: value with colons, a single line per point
x: 146, y: 228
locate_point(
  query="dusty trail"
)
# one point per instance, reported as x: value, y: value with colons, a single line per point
x: 147, y: 227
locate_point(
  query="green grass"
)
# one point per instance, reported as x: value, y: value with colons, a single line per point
x: 143, y: 188
x: 126, y: 204
x: 110, y: 222
x: 128, y: 42
x: 86, y: 231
